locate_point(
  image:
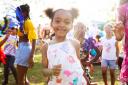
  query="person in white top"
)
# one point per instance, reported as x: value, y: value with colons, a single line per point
x: 9, y: 51
x: 60, y: 56
x: 110, y: 53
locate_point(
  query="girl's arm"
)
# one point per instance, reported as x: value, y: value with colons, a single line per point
x: 6, y: 37
x: 117, y: 50
x: 76, y: 44
x: 119, y: 31
x: 31, y: 61
x: 47, y: 72
x: 44, y: 55
x: 77, y: 47
x: 4, y: 40
x: 119, y: 27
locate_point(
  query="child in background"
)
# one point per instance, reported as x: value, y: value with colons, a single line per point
x: 60, y: 56
x: 10, y: 51
x: 110, y: 54
x: 26, y: 47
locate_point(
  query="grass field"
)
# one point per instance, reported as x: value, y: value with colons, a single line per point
x: 36, y: 77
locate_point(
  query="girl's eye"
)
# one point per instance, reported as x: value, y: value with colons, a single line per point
x: 57, y: 21
x: 67, y: 22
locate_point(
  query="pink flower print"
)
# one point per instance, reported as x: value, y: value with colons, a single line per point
x: 58, y: 80
x: 67, y: 73
x: 71, y: 59
x: 83, y: 83
x: 70, y: 83
x: 108, y: 47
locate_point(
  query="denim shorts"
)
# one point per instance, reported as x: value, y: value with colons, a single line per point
x: 108, y: 63
x: 22, y: 54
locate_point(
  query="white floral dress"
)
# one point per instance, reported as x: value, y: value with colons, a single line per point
x: 65, y: 54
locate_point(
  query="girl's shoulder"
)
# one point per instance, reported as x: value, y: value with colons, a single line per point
x: 75, y: 42
x: 28, y: 20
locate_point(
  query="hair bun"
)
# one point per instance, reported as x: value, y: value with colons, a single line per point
x: 74, y: 12
x: 49, y: 12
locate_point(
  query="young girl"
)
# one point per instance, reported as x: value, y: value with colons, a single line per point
x: 110, y: 53
x: 25, y: 51
x: 9, y: 50
x: 60, y: 57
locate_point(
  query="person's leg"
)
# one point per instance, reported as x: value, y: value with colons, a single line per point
x: 6, y: 72
x: 112, y: 65
x: 112, y: 74
x: 12, y: 67
x: 91, y: 69
x: 120, y: 60
x: 104, y: 71
x: 14, y: 72
x: 21, y: 72
x: 26, y: 80
x: 104, y: 75
x: 22, y: 57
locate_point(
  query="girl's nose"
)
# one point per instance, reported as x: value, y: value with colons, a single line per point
x: 62, y: 24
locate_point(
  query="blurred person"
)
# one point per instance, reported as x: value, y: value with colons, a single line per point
x: 121, y: 33
x: 10, y: 51
x: 26, y: 47
x: 110, y: 54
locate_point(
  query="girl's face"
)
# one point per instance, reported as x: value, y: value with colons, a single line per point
x: 61, y: 23
x: 24, y: 14
x: 79, y: 30
x: 108, y: 30
x: 14, y: 31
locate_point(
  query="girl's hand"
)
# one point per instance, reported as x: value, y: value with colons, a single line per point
x: 56, y: 70
x: 8, y: 32
x: 118, y: 26
x: 119, y: 30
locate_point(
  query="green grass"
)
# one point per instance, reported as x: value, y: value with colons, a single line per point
x: 36, y: 77
x: 98, y: 76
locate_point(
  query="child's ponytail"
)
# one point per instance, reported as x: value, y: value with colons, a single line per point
x: 74, y: 12
x: 49, y: 13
